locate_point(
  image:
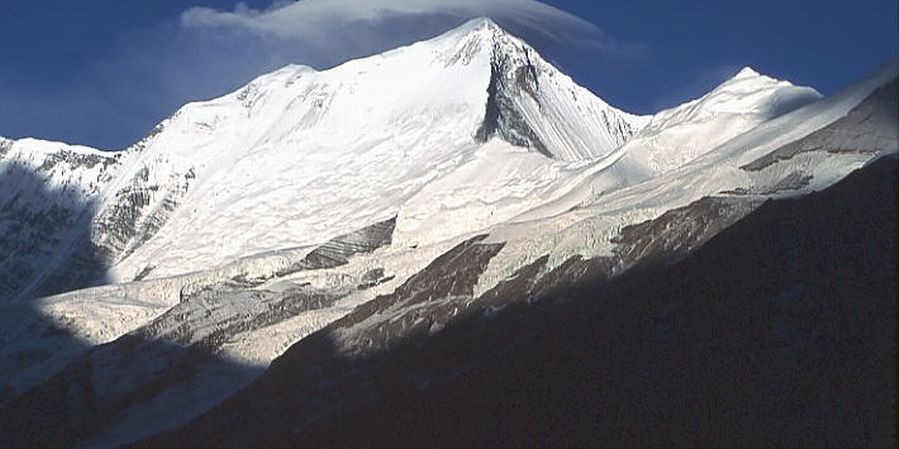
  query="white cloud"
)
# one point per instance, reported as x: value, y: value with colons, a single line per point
x: 306, y: 17
x: 327, y: 32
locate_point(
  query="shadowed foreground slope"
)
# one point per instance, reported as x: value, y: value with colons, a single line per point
x: 779, y: 332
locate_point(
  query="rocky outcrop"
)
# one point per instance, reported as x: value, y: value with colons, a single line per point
x: 423, y: 304
x: 502, y: 118
x: 677, y: 232
x: 338, y: 250
x: 140, y: 209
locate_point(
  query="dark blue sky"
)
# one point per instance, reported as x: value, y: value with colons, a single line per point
x: 102, y: 72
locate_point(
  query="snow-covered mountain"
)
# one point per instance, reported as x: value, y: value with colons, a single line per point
x: 325, y: 151
x: 48, y: 195
x: 679, y: 135
x: 372, y: 202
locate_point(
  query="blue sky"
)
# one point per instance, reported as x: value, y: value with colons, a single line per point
x: 102, y: 72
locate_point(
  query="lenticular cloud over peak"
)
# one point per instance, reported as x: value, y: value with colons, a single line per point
x: 322, y: 25
x: 299, y: 19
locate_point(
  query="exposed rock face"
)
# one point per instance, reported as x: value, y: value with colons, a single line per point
x: 52, y: 208
x: 33, y: 233
x: 5, y: 146
x: 335, y: 252
x: 423, y: 304
x: 678, y: 232
x: 528, y: 100
x: 139, y: 211
x: 68, y: 159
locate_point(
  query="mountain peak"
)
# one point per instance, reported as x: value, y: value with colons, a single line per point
x: 485, y: 31
x: 747, y: 72
x: 735, y: 106
x: 479, y: 24
x: 482, y: 22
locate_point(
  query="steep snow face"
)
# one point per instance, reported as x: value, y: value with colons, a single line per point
x: 806, y: 150
x: 298, y: 156
x: 679, y: 135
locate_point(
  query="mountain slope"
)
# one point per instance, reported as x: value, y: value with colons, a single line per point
x: 714, y: 350
x: 48, y: 196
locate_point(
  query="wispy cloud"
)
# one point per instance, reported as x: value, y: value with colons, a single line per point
x: 327, y: 32
x: 314, y: 18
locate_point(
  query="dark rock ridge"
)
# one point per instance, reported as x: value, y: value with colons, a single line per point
x: 502, y: 117
x: 423, y: 304
x: 677, y: 232
x: 5, y: 146
x: 69, y: 159
x: 337, y: 251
